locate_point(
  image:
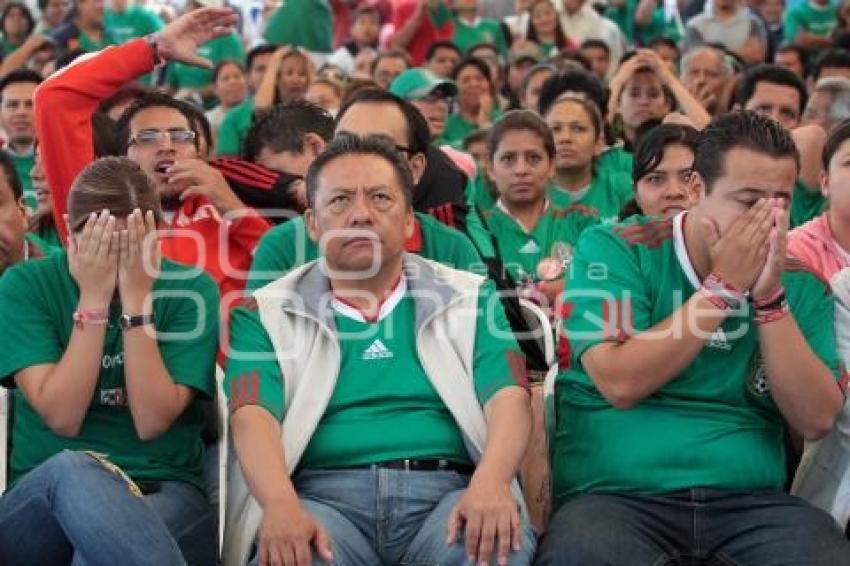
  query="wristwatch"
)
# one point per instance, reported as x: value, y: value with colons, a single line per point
x: 132, y: 321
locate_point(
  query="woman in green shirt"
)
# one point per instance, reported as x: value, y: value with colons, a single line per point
x: 533, y: 232
x: 17, y: 24
x: 109, y: 350
x: 477, y: 103
x: 577, y: 125
x: 544, y: 29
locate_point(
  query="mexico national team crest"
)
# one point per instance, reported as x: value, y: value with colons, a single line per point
x: 757, y: 383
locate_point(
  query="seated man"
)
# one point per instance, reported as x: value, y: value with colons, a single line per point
x: 287, y: 138
x: 686, y: 360
x: 327, y: 462
x: 207, y: 224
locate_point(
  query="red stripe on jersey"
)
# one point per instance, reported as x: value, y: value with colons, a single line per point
x: 516, y: 363
x: 254, y: 389
x: 565, y: 349
x: 652, y: 239
x: 634, y: 229
x: 579, y: 208
x: 450, y: 215
x: 606, y: 320
x: 625, y: 326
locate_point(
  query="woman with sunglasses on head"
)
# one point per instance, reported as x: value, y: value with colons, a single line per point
x: 663, y: 163
x: 115, y: 346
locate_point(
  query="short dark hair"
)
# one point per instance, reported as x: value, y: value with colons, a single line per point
x: 594, y: 43
x: 742, y: 129
x: 840, y: 133
x: 572, y: 80
x: 523, y: 121
x: 418, y: 132
x: 19, y: 76
x: 156, y: 100
x: 831, y: 58
x: 256, y: 52
x: 443, y: 44
x: 68, y: 57
x: 24, y: 10
x: 283, y: 126
x: 127, y: 92
x: 352, y: 144
x: 649, y: 149
x: 474, y: 137
x: 104, y: 136
x: 801, y: 52
x: 469, y: 61
x: 366, y: 11
x: 224, y: 63
x: 773, y: 74
x: 198, y: 122
x: 11, y: 174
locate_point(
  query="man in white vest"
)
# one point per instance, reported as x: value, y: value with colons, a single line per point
x: 377, y: 399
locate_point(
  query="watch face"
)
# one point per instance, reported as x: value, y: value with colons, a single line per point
x: 124, y: 321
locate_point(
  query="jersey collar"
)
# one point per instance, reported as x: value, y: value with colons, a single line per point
x: 682, y: 250
x: 501, y: 206
x: 385, y: 307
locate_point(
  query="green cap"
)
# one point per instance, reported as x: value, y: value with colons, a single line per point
x: 414, y: 84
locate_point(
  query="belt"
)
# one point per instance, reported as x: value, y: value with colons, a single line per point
x: 412, y: 465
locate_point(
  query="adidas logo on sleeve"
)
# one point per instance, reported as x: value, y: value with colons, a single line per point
x: 377, y: 351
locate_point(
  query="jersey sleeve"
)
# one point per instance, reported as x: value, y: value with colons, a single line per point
x: 606, y: 297
x: 792, y: 25
x: 188, y: 340
x: 253, y: 375
x: 26, y: 327
x: 498, y: 361
x: 277, y: 253
x: 227, y: 141
x: 813, y: 308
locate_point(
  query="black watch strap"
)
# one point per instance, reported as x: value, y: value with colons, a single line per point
x: 131, y: 321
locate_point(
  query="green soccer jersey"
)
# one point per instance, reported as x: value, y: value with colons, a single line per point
x: 812, y: 18
x: 715, y: 425
x: 554, y: 236
x: 303, y: 23
x: 457, y: 128
x: 608, y: 192
x: 805, y: 204
x: 226, y: 47
x: 482, y: 30
x: 659, y: 26
x: 234, y: 128
x: 89, y: 45
x: 615, y: 158
x: 287, y: 246
x: 23, y: 165
x: 382, y: 392
x: 38, y: 299
x: 135, y: 21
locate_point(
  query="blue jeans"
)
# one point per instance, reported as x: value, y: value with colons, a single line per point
x: 696, y: 526
x: 378, y: 516
x: 73, y: 509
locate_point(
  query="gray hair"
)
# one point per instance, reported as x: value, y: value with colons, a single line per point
x: 839, y: 89
x: 725, y: 62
